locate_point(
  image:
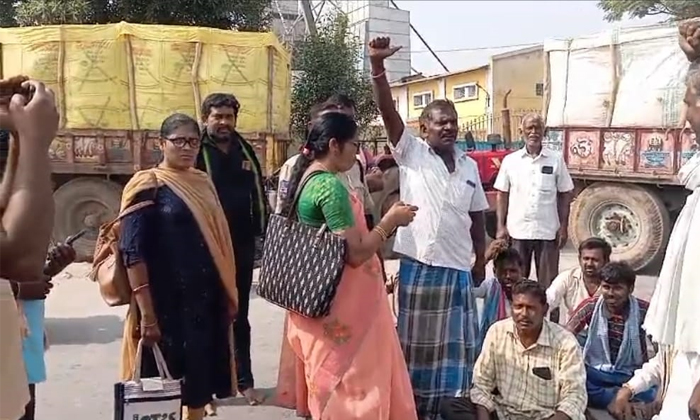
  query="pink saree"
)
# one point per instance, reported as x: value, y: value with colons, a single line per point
x: 349, y: 365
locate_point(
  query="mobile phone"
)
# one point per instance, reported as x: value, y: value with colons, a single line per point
x: 69, y: 240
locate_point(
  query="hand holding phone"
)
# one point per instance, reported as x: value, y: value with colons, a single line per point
x: 71, y: 239
x: 62, y: 255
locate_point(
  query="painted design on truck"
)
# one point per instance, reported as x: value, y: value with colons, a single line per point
x: 118, y: 149
x: 554, y: 140
x: 86, y: 149
x: 59, y: 150
x: 656, y: 151
x: 617, y: 150
x: 583, y: 149
x: 689, y: 146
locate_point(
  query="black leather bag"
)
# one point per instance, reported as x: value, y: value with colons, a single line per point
x: 301, y: 265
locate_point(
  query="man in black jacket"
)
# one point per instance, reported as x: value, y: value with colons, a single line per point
x: 237, y: 175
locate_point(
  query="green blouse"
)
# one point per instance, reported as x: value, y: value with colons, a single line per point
x: 325, y: 199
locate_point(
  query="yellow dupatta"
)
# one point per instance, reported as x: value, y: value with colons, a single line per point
x: 197, y: 191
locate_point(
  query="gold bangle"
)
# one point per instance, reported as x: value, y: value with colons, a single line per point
x: 138, y: 288
x: 382, y: 233
x: 152, y: 324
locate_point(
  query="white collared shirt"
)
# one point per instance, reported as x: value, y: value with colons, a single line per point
x: 439, y: 235
x: 352, y: 179
x: 533, y: 184
x: 568, y: 289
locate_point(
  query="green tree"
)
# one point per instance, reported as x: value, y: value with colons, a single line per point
x: 251, y: 15
x: 245, y: 15
x: 327, y: 64
x: 41, y: 12
x: 676, y: 9
x: 7, y: 14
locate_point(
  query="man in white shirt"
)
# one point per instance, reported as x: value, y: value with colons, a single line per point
x: 534, y: 194
x: 573, y: 286
x: 672, y: 319
x: 356, y: 179
x: 437, y: 320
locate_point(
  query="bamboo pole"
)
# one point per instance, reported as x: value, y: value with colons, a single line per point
x: 546, y: 85
x: 131, y: 70
x: 195, y: 81
x: 61, y: 75
x: 271, y: 152
x: 614, y: 78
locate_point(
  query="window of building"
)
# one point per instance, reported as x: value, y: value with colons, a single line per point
x: 465, y: 92
x: 421, y: 100
x: 539, y: 89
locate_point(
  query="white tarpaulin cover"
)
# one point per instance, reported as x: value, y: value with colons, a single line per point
x: 651, y: 86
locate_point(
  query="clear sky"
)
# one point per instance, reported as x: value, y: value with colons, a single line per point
x: 449, y: 25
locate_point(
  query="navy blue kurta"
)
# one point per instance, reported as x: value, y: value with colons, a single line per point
x: 188, y: 298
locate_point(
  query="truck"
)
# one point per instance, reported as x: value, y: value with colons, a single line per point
x: 116, y: 83
x: 613, y: 104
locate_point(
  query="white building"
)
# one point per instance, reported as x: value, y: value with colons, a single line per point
x: 367, y: 19
x: 372, y: 18
x: 287, y: 21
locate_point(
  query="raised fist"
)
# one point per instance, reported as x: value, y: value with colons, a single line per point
x: 689, y: 38
x: 381, y: 49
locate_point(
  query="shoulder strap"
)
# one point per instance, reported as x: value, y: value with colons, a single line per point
x: 138, y: 206
x: 297, y: 194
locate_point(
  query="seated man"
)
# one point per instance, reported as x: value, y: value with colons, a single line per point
x: 529, y: 368
x: 616, y: 343
x: 573, y: 286
x: 654, y: 373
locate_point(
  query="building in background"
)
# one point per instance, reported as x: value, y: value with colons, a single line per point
x: 520, y: 72
x: 287, y: 21
x: 372, y: 18
x: 466, y: 88
x: 367, y: 19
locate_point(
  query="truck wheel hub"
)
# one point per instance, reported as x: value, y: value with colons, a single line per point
x: 617, y: 224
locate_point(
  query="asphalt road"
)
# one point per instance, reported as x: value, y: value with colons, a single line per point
x: 85, y: 337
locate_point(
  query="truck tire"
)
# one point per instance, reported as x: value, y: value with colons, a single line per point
x: 633, y: 219
x: 85, y: 203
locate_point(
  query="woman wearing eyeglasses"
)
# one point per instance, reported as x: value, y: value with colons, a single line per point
x: 180, y: 264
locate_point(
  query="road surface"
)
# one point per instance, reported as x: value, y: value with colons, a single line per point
x: 85, y: 337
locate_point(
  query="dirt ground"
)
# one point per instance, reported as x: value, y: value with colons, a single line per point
x: 85, y: 337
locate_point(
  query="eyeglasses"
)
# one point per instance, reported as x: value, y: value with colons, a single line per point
x: 180, y: 142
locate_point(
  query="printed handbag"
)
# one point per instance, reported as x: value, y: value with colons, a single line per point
x: 148, y: 398
x: 301, y: 265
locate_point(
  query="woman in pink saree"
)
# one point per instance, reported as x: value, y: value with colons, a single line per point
x: 348, y: 365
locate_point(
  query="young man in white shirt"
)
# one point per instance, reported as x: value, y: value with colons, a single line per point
x: 573, y: 286
x: 534, y: 194
x: 356, y: 179
x: 437, y: 320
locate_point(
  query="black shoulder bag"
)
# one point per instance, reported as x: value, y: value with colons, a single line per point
x: 301, y: 265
